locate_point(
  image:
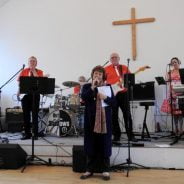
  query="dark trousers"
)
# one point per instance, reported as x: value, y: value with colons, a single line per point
x: 98, y: 164
x: 27, y: 106
x: 123, y: 103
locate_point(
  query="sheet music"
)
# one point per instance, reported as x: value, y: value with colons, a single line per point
x: 105, y: 90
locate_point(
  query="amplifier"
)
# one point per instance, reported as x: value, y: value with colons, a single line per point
x: 14, y: 119
x: 144, y: 91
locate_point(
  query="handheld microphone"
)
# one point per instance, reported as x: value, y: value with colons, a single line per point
x: 96, y: 83
x: 18, y: 98
x: 128, y: 59
x: 23, y: 66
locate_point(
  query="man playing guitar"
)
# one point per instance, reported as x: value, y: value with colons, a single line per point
x: 115, y: 73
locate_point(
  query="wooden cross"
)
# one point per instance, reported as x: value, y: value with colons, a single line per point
x: 133, y: 21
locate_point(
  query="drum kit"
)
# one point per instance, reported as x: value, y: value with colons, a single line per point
x: 65, y: 117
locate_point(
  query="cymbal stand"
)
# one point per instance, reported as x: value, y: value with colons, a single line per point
x: 41, y: 121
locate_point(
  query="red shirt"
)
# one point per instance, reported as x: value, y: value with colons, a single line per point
x: 26, y: 73
x: 112, y: 76
x: 76, y: 90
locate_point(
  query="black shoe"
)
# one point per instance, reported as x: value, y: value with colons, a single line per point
x: 106, y: 177
x: 133, y: 139
x: 116, y: 139
x: 41, y: 134
x: 86, y: 176
x: 25, y: 137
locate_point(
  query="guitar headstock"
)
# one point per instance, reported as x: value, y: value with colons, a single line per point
x: 144, y: 68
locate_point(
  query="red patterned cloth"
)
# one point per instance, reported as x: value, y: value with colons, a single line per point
x: 166, y: 105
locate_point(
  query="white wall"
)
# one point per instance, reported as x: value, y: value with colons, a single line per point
x: 70, y: 37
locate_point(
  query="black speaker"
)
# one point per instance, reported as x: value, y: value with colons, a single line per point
x: 79, y: 159
x: 14, y: 119
x: 144, y: 91
x: 12, y: 156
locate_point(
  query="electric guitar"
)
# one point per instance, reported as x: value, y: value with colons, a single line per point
x: 119, y: 86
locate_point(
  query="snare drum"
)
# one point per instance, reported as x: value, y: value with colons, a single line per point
x: 59, y: 122
x: 58, y: 101
x: 74, y: 102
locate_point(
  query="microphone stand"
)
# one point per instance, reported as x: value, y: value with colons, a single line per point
x: 171, y: 97
x: 5, y: 85
x: 128, y: 162
x: 102, y: 66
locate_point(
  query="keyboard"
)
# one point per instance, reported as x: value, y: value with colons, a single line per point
x: 179, y: 88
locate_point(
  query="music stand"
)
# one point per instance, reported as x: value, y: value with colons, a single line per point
x: 181, y: 72
x: 35, y: 86
x: 160, y: 80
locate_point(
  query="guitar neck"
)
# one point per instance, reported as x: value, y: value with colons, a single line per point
x: 141, y: 69
x: 137, y: 71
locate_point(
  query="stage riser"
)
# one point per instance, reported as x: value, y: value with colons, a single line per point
x: 151, y: 157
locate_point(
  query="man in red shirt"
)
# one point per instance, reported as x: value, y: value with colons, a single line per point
x: 77, y: 89
x: 115, y: 76
x: 27, y: 100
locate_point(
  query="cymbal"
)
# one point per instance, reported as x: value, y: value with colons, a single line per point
x: 70, y: 83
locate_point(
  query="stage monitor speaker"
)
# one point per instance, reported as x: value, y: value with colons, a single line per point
x: 12, y: 156
x: 79, y: 159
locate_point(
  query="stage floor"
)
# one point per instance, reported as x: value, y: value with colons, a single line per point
x: 65, y: 175
x: 154, y: 153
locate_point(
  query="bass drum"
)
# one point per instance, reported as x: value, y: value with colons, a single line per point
x: 59, y: 122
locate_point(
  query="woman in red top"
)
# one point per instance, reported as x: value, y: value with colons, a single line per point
x: 174, y: 78
x: 27, y: 100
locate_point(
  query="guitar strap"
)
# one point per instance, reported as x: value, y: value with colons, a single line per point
x: 120, y: 69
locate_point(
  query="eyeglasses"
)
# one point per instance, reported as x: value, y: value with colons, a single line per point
x: 114, y: 57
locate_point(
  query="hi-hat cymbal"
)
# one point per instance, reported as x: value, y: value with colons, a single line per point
x: 70, y: 83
